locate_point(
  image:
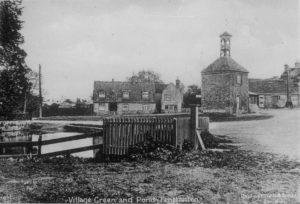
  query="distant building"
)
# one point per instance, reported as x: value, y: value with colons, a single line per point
x: 275, y: 92
x: 66, y: 105
x: 225, y: 83
x: 123, y: 97
x: 136, y: 97
x: 172, y: 98
x: 292, y: 72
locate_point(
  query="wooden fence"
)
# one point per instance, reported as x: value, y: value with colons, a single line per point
x: 39, y: 144
x: 121, y: 133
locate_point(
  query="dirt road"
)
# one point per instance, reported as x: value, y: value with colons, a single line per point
x: 280, y: 134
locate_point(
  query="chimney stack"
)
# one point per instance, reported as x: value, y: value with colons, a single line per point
x: 177, y: 83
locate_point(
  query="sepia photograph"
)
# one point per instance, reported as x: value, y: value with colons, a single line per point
x: 150, y: 101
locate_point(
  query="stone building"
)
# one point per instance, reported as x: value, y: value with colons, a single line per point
x: 172, y: 98
x: 136, y: 97
x: 123, y: 97
x: 225, y: 83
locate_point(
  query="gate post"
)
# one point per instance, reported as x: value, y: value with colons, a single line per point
x: 194, y: 125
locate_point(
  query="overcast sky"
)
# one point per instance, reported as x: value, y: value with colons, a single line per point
x: 79, y: 41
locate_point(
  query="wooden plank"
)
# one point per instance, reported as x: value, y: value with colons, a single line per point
x: 17, y: 155
x: 203, y: 123
x: 175, y: 133
x: 127, y: 132
x: 71, y: 138
x: 104, y: 136
x: 200, y: 140
x: 194, y: 125
x: 40, y: 145
x: 70, y: 151
x: 18, y: 144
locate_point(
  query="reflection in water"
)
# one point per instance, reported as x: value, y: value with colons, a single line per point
x: 18, y: 136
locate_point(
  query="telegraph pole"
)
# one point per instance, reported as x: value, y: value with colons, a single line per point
x: 288, y: 98
x: 40, y: 92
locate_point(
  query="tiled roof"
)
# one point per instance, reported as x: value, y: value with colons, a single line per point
x: 271, y: 86
x: 160, y: 87
x: 114, y: 91
x: 223, y: 64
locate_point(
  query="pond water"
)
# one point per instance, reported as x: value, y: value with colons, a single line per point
x: 18, y: 136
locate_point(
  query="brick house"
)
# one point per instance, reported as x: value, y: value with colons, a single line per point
x: 274, y: 92
x: 225, y: 83
x: 123, y: 97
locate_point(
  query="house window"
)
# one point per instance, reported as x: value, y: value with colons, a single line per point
x: 125, y: 107
x: 167, y: 97
x: 126, y: 94
x: 145, y: 95
x: 238, y: 79
x: 102, y: 106
x: 145, y: 108
x: 101, y: 94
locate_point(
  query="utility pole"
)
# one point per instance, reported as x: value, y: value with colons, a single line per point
x: 40, y: 92
x: 288, y: 98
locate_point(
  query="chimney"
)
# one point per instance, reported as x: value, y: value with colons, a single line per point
x: 286, y: 67
x: 177, y: 83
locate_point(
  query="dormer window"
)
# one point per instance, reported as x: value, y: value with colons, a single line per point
x: 125, y: 94
x: 145, y: 95
x: 101, y: 94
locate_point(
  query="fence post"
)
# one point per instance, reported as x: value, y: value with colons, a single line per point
x: 194, y: 126
x: 175, y: 136
x: 40, y: 145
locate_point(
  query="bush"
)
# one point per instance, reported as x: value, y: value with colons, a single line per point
x: 152, y: 149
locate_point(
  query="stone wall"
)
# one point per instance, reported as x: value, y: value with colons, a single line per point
x: 240, y: 90
x: 220, y: 91
x: 216, y: 91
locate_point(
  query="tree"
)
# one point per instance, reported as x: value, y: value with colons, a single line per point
x: 145, y: 76
x: 13, y: 70
x: 191, y: 96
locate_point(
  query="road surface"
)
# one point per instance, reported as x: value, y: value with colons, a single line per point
x: 280, y: 134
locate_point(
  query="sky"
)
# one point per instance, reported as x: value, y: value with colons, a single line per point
x: 80, y: 41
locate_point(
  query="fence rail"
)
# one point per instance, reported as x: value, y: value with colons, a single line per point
x: 41, y: 142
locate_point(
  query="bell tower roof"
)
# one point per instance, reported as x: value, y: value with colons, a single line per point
x: 225, y: 34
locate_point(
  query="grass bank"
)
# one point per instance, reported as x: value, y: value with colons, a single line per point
x: 232, y: 176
